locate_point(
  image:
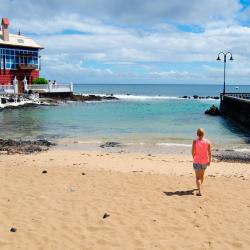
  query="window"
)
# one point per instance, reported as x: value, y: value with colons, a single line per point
x: 14, y: 56
x: 20, y: 40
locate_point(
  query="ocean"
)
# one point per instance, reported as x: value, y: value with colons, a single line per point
x: 145, y: 114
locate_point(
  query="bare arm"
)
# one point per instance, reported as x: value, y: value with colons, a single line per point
x: 209, y: 153
x: 193, y: 148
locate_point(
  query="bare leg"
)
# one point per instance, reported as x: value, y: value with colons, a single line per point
x: 202, y: 176
x: 198, y: 174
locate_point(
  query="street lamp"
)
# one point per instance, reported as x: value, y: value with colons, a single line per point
x: 225, y: 60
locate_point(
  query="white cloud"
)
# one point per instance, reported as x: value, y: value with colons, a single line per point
x: 133, y: 39
x: 126, y: 12
x: 174, y: 75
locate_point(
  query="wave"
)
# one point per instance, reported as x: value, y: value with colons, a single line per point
x: 130, y: 97
x: 88, y: 142
x: 145, y: 97
x: 242, y: 150
x: 166, y: 144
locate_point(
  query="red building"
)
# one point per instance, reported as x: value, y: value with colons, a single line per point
x: 19, y: 57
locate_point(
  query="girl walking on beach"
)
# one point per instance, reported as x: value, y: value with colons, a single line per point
x: 201, y: 151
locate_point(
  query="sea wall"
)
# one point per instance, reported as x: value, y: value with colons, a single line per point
x: 237, y: 109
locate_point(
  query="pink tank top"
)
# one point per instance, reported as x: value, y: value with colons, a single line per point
x: 201, y: 151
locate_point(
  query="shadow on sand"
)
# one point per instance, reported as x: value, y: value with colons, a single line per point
x: 181, y: 193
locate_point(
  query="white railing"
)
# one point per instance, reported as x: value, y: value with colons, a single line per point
x: 50, y: 88
x: 239, y: 95
x: 7, y: 89
x: 37, y: 87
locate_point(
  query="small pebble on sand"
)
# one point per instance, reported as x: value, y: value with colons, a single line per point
x: 105, y: 216
x: 13, y: 230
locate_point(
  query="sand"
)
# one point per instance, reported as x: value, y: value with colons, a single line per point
x: 149, y: 199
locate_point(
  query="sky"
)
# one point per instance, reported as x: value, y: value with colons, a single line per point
x: 136, y: 41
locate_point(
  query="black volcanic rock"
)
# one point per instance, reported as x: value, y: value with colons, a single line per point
x: 24, y: 147
x: 13, y: 230
x: 83, y: 98
x: 105, y: 216
x: 110, y: 144
x: 232, y: 156
x: 213, y: 111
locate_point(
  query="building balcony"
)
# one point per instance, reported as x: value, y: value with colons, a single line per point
x: 26, y: 66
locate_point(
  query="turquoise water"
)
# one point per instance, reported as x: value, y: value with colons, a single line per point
x: 149, y: 114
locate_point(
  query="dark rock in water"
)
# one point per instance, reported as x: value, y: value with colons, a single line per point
x: 13, y: 230
x: 91, y: 98
x: 94, y: 97
x: 11, y: 99
x: 214, y: 111
x: 3, y: 100
x: 44, y: 172
x: 105, y: 216
x: 200, y: 97
x: 24, y: 147
x: 110, y: 144
x: 109, y: 98
x: 44, y: 142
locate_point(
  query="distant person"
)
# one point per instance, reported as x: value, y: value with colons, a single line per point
x: 201, y: 152
x: 54, y: 83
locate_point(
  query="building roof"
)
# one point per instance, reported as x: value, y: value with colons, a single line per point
x: 20, y: 41
x: 5, y: 21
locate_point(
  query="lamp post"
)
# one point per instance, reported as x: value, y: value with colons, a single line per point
x: 225, y: 60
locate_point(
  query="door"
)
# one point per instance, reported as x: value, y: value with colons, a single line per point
x: 20, y: 87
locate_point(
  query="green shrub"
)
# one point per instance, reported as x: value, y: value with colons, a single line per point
x: 40, y: 80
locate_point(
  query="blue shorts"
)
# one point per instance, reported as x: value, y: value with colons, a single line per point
x: 198, y: 166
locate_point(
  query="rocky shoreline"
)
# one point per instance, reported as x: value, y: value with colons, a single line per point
x: 231, y: 156
x: 10, y: 146
x: 50, y: 100
x: 200, y: 97
x: 15, y: 102
x: 226, y: 155
x: 77, y: 98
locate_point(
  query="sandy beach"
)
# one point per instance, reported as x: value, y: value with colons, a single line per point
x: 149, y: 201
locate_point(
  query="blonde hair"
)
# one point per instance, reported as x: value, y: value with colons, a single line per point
x: 200, y: 132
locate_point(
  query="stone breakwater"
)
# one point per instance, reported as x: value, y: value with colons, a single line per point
x: 10, y: 146
x: 237, y: 109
